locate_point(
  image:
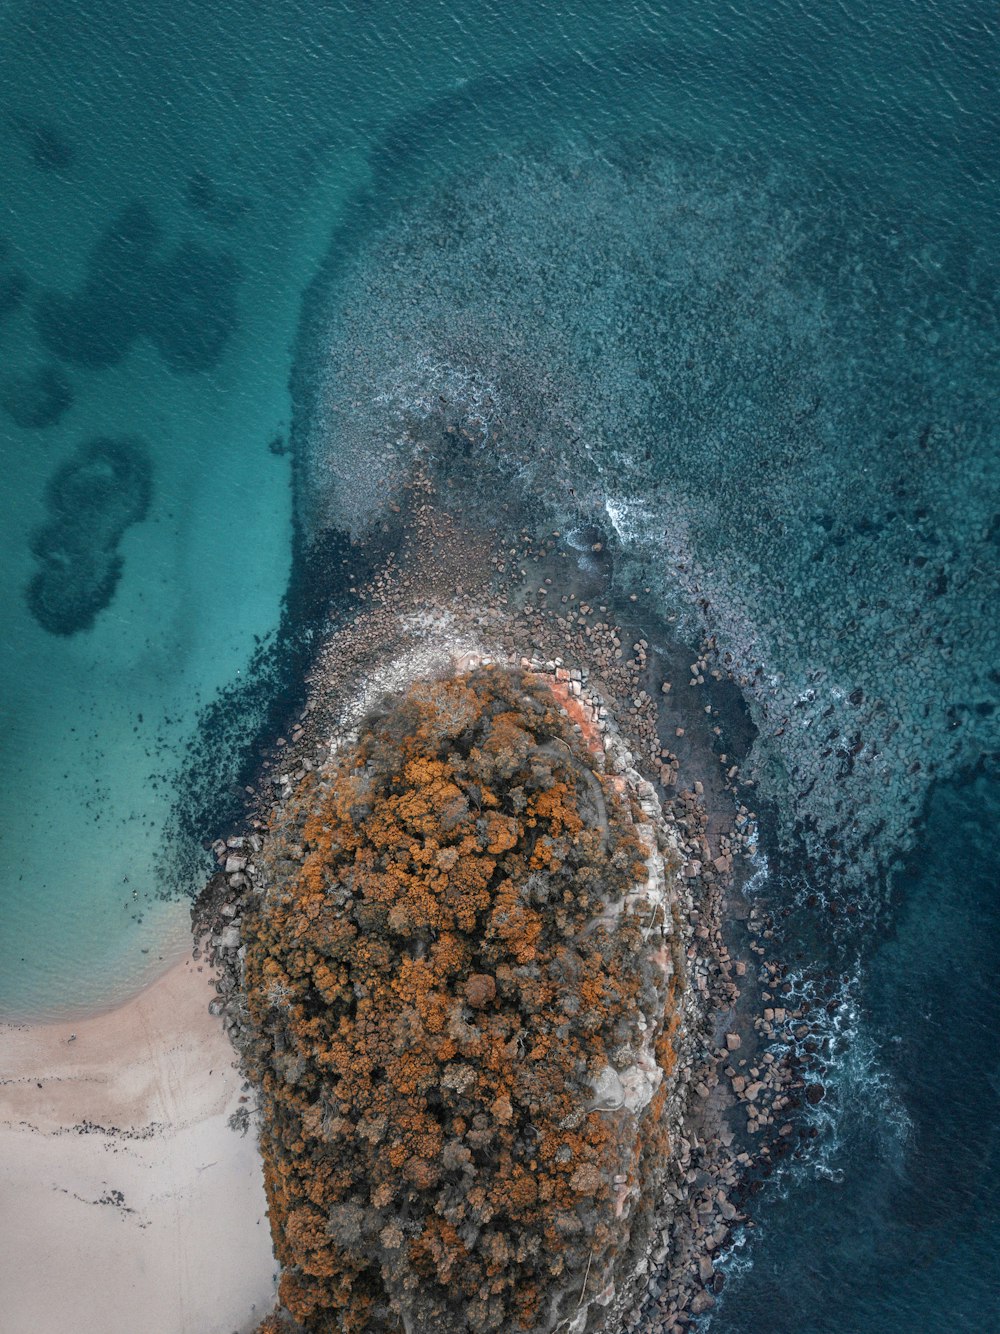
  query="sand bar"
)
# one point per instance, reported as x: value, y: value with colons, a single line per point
x: 126, y: 1200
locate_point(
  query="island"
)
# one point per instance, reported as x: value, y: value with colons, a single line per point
x: 473, y: 941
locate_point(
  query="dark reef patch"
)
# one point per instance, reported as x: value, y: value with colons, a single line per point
x: 185, y: 304
x: 36, y: 398
x: 96, y: 326
x: 92, y: 499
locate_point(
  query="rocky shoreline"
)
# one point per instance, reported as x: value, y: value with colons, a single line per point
x: 739, y: 1085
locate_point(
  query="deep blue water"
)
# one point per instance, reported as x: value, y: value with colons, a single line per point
x: 893, y: 1224
x: 731, y: 275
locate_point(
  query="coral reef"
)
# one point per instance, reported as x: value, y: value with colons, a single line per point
x: 37, y: 398
x: 462, y: 983
x: 92, y: 499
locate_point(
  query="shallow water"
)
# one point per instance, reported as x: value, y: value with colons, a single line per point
x: 731, y: 277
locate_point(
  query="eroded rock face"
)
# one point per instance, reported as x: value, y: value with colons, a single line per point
x: 464, y: 982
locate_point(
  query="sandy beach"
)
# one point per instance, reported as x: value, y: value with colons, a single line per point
x: 127, y: 1201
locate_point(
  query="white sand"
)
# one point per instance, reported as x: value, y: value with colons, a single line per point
x: 188, y: 1248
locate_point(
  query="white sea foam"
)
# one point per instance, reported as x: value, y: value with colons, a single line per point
x: 754, y: 887
x: 631, y: 519
x: 861, y: 1097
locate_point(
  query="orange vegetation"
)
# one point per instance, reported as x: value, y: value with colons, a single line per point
x: 431, y: 997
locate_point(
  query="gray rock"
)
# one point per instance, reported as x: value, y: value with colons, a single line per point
x: 609, y: 1092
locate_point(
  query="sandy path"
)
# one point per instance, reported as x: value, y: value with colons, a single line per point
x: 151, y: 1218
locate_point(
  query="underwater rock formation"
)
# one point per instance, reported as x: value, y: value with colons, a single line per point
x: 463, y: 976
x: 92, y: 499
x: 185, y: 304
x: 766, y: 401
x: 96, y: 325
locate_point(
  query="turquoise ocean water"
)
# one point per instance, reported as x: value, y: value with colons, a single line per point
x: 729, y: 272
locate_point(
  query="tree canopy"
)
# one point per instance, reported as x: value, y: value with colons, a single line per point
x: 436, y: 977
